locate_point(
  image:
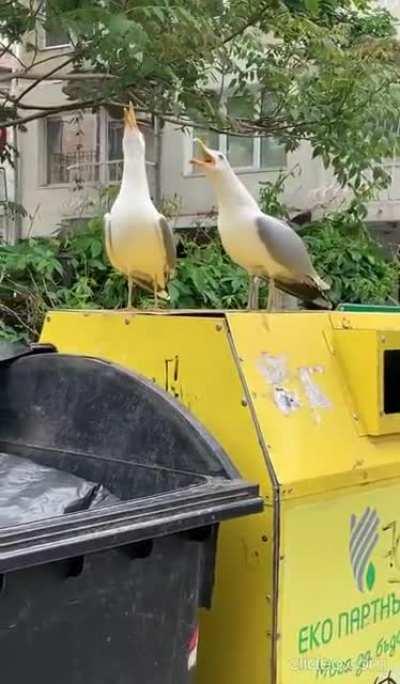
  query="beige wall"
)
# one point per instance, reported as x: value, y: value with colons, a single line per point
x: 48, y: 206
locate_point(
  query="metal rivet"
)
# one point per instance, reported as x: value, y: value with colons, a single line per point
x: 244, y: 402
x: 383, y: 339
x: 264, y: 538
x: 355, y: 416
x: 218, y: 327
x: 127, y: 321
x: 48, y: 319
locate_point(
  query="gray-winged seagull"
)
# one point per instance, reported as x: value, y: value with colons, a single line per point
x: 266, y: 247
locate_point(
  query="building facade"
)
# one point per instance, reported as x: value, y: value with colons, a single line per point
x: 67, y: 161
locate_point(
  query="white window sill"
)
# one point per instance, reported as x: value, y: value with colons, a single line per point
x: 241, y: 171
x: 67, y: 186
x: 46, y: 48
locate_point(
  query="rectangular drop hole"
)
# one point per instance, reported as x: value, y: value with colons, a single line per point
x: 391, y: 381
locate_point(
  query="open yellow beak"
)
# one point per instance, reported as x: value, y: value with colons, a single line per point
x: 208, y: 160
x: 130, y: 117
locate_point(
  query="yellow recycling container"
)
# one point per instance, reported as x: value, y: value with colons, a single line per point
x: 308, y: 405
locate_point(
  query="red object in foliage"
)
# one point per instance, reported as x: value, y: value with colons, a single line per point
x: 3, y: 138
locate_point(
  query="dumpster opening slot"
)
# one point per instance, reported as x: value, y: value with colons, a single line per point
x: 391, y: 381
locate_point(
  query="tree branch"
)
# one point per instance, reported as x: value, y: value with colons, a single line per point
x: 38, y: 79
x: 62, y: 77
x: 72, y: 106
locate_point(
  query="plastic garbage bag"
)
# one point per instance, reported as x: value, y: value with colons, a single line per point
x: 30, y: 491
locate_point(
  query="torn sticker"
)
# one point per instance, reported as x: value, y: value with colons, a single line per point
x: 285, y: 400
x: 274, y: 370
x: 316, y: 398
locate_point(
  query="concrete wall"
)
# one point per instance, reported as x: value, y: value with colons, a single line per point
x: 48, y: 206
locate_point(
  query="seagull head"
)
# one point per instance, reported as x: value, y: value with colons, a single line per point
x: 133, y: 140
x: 212, y: 161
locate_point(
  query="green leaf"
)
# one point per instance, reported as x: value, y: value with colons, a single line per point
x: 312, y: 5
x: 371, y: 576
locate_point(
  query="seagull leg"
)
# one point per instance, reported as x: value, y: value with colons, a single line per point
x: 155, y: 293
x: 271, y: 295
x: 130, y: 287
x: 253, y: 297
x: 256, y: 293
x: 250, y: 294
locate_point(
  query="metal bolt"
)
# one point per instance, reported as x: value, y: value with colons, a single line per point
x: 127, y: 321
x: 218, y: 327
x: 264, y: 538
x: 244, y: 402
x: 48, y: 319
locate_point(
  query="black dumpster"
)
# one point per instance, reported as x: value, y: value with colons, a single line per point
x: 110, y: 594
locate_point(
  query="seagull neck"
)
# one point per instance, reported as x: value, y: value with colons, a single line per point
x: 134, y: 178
x: 231, y: 191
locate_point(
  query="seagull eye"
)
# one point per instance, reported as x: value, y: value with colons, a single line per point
x: 221, y: 156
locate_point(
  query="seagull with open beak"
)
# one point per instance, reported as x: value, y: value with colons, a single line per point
x: 139, y: 241
x: 266, y: 247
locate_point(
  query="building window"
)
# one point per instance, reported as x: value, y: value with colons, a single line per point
x: 53, y: 34
x: 56, y: 38
x: 247, y: 153
x: 87, y: 148
x: 72, y: 149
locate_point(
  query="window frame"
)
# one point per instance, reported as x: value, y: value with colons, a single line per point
x: 103, y: 163
x: 43, y: 36
x: 257, y: 167
x: 43, y: 154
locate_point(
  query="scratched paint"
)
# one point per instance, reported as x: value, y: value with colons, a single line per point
x: 285, y: 400
x: 275, y: 371
x: 273, y: 368
x: 315, y: 396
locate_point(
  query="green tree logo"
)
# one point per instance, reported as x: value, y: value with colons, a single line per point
x: 364, y: 537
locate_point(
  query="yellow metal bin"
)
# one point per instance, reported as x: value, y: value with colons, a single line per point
x: 308, y: 405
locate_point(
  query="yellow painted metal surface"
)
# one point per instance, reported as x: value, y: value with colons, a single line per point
x: 302, y: 403
x: 361, y: 356
x: 291, y: 598
x: 339, y: 609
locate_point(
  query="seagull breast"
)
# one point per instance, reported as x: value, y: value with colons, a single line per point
x: 139, y: 241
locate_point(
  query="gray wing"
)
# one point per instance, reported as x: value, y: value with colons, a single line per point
x: 169, y: 243
x: 284, y: 245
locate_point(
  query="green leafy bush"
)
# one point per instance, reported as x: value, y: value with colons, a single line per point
x: 353, y: 263
x: 72, y: 271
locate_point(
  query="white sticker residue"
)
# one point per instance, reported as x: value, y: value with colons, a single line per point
x: 316, y: 398
x: 274, y: 370
x: 285, y: 400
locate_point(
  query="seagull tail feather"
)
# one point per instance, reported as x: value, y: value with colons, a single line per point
x: 321, y: 284
x: 307, y: 291
x: 163, y: 294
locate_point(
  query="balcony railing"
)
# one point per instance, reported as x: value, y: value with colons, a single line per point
x: 73, y: 167
x: 105, y: 172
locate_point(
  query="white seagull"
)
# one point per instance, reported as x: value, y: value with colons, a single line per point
x: 266, y: 247
x: 139, y: 241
